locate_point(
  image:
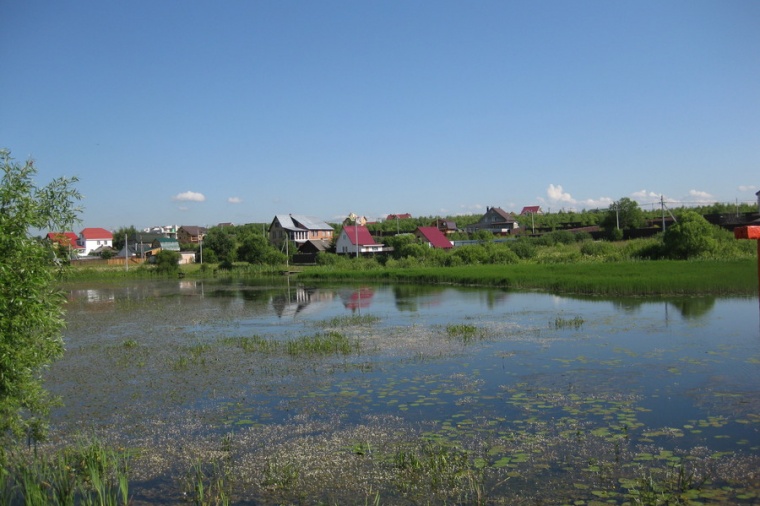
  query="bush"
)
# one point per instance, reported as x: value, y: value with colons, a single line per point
x: 600, y: 249
x: 167, y: 262
x: 524, y: 248
x: 691, y: 236
x: 644, y: 249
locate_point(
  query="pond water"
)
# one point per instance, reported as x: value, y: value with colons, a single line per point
x: 147, y: 359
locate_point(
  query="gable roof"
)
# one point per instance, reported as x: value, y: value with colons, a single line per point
x: 508, y: 217
x: 435, y: 237
x: 403, y: 216
x: 166, y: 243
x: 193, y: 229
x: 360, y: 233
x: 300, y: 222
x: 94, y: 233
x: 531, y: 210
x: 66, y: 239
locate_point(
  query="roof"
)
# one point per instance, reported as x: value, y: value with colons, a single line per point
x: 315, y: 244
x: 435, y: 237
x: 531, y: 210
x: 403, y: 216
x: 64, y: 238
x: 167, y: 243
x: 360, y: 233
x: 94, y: 233
x: 193, y: 229
x: 508, y: 217
x: 300, y: 222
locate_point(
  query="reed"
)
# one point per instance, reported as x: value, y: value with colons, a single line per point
x: 89, y: 474
x: 659, y: 277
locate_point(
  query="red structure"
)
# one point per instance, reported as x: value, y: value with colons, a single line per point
x: 751, y: 232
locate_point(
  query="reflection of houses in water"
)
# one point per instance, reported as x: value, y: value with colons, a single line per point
x: 299, y: 300
x: 93, y: 296
x: 357, y: 299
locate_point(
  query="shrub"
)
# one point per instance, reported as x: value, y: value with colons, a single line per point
x: 599, y: 249
x: 524, y: 248
x: 167, y: 262
x: 690, y: 237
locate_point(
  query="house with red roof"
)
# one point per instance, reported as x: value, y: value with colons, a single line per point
x: 433, y: 237
x: 91, y: 239
x: 66, y: 240
x: 531, y: 210
x: 402, y: 216
x: 356, y: 240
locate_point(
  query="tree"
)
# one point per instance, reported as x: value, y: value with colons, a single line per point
x: 130, y: 233
x: 222, y: 242
x: 691, y: 236
x: 30, y: 305
x: 255, y: 249
x: 623, y: 214
x: 167, y: 262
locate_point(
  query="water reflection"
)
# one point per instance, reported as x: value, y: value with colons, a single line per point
x: 357, y: 299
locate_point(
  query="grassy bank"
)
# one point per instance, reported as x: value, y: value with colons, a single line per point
x: 615, y: 278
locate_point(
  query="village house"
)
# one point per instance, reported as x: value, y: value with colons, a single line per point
x: 433, y: 237
x: 496, y: 221
x: 91, y: 239
x: 445, y: 226
x: 298, y: 228
x: 356, y: 240
x: 190, y: 234
x: 531, y: 210
x: 67, y: 241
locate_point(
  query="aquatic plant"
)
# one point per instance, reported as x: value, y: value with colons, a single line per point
x: 208, y: 484
x: 563, y: 323
x: 327, y: 343
x: 353, y: 320
x: 465, y: 332
x: 89, y: 474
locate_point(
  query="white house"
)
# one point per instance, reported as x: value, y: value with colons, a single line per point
x: 355, y: 240
x: 93, y: 238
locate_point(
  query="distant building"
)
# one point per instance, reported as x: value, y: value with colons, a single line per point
x: 531, y: 210
x: 190, y: 234
x: 298, y: 228
x: 495, y: 220
x: 433, y: 237
x: 90, y: 239
x: 356, y: 240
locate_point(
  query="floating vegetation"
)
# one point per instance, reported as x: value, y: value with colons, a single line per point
x: 564, y: 323
x: 352, y: 320
x: 464, y: 332
x: 327, y: 343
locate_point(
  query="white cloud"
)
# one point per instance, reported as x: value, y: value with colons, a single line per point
x: 645, y: 195
x: 189, y: 196
x: 471, y: 207
x: 557, y: 194
x: 234, y: 200
x: 700, y: 195
x: 747, y: 188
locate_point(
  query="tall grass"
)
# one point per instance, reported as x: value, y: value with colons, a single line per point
x: 602, y: 278
x: 87, y: 474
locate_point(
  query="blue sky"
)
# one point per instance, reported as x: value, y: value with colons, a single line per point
x: 195, y: 113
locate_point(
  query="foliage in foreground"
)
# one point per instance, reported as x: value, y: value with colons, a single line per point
x: 415, y: 470
x: 32, y: 319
